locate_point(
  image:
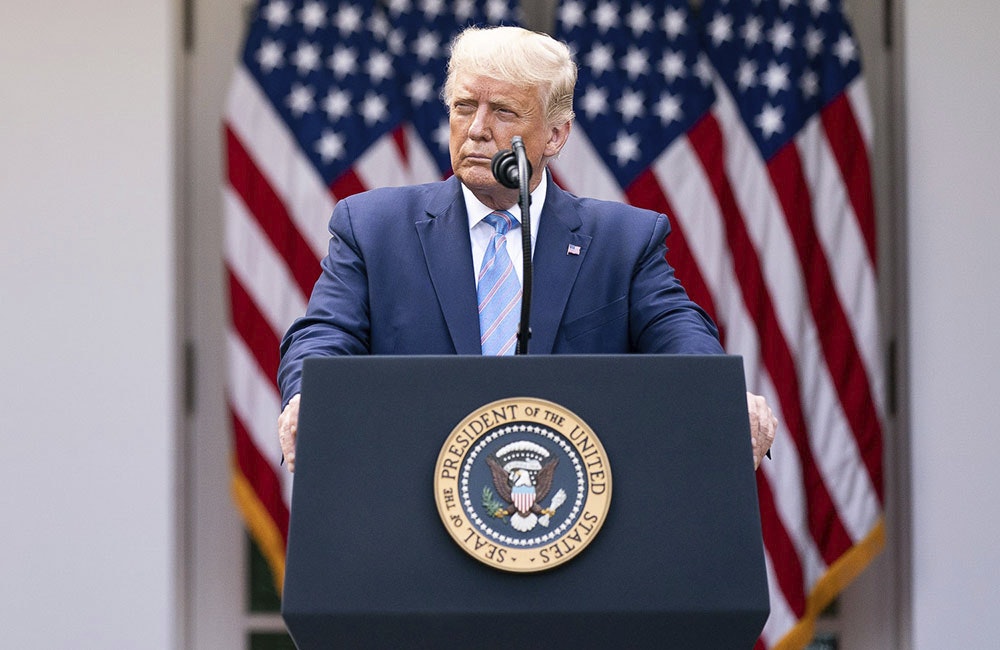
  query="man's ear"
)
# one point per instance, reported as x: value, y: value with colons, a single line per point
x: 557, y: 138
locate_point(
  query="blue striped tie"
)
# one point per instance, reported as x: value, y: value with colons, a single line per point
x: 499, y: 290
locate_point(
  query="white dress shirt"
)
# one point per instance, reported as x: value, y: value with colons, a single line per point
x: 481, y: 232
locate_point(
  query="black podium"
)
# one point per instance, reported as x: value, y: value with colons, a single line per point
x: 678, y: 562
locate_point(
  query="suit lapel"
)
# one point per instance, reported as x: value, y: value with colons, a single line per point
x: 444, y: 236
x: 559, y: 253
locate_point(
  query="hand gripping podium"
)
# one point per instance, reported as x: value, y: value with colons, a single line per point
x: 677, y: 563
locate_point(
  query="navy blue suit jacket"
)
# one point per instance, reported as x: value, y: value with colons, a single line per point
x: 398, y: 279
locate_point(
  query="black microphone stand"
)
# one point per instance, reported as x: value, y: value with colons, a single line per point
x: 523, y: 178
x: 512, y: 169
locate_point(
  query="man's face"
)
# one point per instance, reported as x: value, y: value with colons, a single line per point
x: 485, y: 114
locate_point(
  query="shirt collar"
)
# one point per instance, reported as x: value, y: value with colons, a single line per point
x: 476, y: 210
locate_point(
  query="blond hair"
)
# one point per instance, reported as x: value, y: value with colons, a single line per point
x: 521, y: 57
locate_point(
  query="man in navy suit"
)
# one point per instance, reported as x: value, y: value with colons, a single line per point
x: 401, y: 273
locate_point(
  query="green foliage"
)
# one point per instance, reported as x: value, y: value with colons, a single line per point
x: 491, y: 503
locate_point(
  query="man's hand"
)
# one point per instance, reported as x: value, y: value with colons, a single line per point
x: 288, y: 428
x: 763, y: 424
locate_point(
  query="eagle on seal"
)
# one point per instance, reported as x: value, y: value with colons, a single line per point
x: 522, y: 493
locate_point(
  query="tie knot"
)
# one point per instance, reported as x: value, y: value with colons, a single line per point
x: 501, y: 220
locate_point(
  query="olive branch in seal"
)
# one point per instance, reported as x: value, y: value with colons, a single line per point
x: 492, y: 504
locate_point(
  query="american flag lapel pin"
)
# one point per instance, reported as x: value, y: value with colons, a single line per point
x: 573, y: 249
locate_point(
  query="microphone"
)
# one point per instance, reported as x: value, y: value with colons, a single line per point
x: 504, y: 166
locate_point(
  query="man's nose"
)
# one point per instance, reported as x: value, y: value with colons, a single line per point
x: 481, y: 126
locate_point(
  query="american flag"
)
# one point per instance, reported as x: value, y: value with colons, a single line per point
x: 745, y: 121
x: 331, y: 97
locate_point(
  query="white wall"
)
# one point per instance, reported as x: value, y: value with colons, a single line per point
x: 953, y: 156
x: 87, y: 293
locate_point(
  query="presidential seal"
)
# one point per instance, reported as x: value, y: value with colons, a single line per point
x: 522, y: 484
